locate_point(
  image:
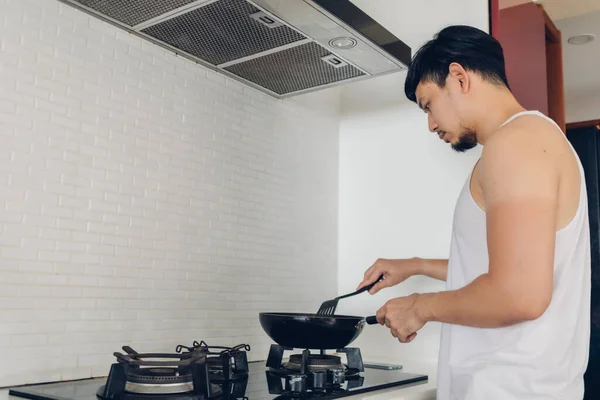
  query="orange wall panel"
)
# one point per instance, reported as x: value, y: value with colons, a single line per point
x: 522, y: 35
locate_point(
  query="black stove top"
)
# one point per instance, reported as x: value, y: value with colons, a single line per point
x: 202, y: 372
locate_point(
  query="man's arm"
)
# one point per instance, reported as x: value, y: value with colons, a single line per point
x: 434, y: 268
x: 520, y: 187
x: 398, y: 270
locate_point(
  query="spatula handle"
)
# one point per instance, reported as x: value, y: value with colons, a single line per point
x: 362, y: 289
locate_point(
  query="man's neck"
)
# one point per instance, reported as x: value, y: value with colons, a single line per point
x: 499, y: 106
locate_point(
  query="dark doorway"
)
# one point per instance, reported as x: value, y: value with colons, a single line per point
x: 586, y: 142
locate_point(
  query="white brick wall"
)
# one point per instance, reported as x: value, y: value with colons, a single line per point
x: 147, y: 201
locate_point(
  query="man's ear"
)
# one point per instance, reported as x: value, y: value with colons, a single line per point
x: 457, y: 72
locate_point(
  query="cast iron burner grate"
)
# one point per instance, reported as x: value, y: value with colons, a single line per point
x: 223, y: 363
x: 157, y: 376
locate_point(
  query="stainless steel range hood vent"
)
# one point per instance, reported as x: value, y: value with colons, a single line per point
x: 281, y: 47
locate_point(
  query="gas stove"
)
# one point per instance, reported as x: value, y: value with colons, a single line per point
x: 203, y: 372
x: 178, y: 376
x: 194, y: 372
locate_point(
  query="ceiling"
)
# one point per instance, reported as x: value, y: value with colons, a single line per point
x: 559, y: 9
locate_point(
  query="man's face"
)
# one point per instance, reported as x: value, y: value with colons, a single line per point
x: 442, y: 106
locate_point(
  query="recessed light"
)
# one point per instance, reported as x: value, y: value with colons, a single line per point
x: 342, y: 43
x: 581, y: 39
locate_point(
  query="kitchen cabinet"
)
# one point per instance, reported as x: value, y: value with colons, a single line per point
x: 532, y: 48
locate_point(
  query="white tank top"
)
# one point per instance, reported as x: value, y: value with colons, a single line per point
x: 540, y: 359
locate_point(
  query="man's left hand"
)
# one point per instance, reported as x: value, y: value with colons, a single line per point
x: 401, y: 315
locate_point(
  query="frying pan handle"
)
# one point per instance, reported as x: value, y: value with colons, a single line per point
x: 372, y: 320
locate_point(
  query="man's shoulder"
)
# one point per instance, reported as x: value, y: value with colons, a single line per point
x: 522, y: 159
x: 527, y: 131
x: 529, y: 137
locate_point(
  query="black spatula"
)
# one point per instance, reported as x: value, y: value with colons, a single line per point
x: 328, y: 307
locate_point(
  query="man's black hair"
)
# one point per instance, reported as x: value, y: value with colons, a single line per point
x: 474, y: 49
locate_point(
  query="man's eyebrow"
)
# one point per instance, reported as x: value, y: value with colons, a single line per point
x: 420, y: 103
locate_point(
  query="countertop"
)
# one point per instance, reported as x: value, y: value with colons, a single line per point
x: 425, y: 391
x: 418, y: 392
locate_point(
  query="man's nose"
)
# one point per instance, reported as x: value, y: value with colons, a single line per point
x: 433, y: 127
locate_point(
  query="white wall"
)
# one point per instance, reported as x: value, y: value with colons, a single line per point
x: 583, y: 107
x: 581, y: 64
x: 146, y: 201
x: 398, y: 182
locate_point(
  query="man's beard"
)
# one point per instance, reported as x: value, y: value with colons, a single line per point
x: 467, y: 141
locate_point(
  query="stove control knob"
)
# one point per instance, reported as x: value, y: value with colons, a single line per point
x: 295, y: 383
x: 320, y: 380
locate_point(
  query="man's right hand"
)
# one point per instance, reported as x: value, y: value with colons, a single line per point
x: 393, y: 271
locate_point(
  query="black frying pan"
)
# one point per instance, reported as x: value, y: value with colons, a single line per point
x: 309, y: 331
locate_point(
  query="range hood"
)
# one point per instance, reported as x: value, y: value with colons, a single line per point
x: 281, y: 47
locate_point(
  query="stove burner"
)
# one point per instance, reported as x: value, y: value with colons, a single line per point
x: 159, y: 375
x: 159, y: 388
x: 136, y: 376
x: 159, y: 371
x: 313, y: 373
x: 316, y: 362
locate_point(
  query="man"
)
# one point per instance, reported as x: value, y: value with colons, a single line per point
x: 516, y: 313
